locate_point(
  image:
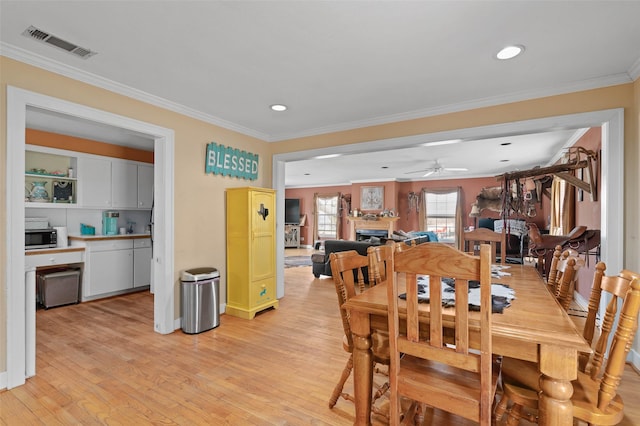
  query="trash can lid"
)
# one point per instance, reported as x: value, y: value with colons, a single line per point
x: 200, y: 274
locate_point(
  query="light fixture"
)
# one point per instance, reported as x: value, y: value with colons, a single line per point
x: 447, y: 142
x: 322, y: 157
x: 278, y: 107
x: 510, y: 52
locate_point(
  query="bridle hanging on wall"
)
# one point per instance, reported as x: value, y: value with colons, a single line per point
x: 414, y: 202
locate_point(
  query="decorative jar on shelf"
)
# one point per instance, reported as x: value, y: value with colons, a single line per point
x: 38, y: 192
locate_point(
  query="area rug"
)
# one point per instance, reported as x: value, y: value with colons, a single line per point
x: 294, y: 261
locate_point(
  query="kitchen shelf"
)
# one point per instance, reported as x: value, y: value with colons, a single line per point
x: 49, y: 205
x: 48, y: 176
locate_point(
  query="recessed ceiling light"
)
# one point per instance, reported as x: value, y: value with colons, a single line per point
x: 278, y: 107
x: 321, y: 157
x: 510, y: 52
x: 448, y: 142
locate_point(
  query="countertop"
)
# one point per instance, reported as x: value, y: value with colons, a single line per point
x: 53, y: 250
x: 78, y: 237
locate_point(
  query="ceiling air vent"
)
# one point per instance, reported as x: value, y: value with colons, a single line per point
x: 36, y: 34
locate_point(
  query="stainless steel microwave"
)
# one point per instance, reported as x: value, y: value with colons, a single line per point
x: 40, y: 238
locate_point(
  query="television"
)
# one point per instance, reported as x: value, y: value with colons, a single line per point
x: 292, y: 211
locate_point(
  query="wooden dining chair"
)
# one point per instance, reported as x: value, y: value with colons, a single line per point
x: 594, y: 392
x: 347, y: 269
x: 565, y: 277
x: 378, y: 257
x: 553, y: 269
x: 472, y: 239
x: 424, y: 368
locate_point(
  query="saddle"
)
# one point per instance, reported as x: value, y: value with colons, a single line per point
x: 538, y: 241
x: 579, y: 239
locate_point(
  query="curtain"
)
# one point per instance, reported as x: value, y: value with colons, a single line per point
x: 562, y: 207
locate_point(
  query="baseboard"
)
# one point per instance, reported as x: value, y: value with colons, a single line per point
x: 3, y: 380
x: 580, y: 301
x: 634, y: 359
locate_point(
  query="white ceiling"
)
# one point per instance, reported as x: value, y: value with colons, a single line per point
x: 337, y: 65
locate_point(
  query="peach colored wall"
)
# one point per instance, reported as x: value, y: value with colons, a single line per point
x: 588, y: 212
x: 70, y: 143
x: 306, y: 207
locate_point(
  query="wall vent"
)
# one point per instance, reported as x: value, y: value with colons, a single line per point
x: 42, y: 36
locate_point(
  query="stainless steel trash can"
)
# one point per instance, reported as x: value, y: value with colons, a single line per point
x: 200, y: 294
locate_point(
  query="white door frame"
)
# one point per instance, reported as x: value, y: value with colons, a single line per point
x: 20, y: 354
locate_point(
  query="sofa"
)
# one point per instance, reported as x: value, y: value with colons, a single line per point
x: 320, y: 258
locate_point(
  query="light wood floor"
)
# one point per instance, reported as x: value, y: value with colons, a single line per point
x: 102, y: 363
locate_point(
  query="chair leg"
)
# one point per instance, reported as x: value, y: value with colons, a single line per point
x: 337, y: 391
x: 381, y: 391
x: 501, y: 408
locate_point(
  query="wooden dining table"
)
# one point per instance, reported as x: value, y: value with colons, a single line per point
x: 533, y: 328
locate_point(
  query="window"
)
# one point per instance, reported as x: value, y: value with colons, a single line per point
x: 327, y: 216
x: 442, y: 214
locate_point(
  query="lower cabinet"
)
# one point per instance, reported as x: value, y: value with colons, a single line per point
x: 116, y: 266
x: 141, y: 262
x: 110, y: 267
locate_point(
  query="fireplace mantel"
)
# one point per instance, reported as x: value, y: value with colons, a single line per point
x: 387, y: 223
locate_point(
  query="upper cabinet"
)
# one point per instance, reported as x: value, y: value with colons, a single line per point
x: 86, y: 181
x: 94, y: 175
x: 124, y: 190
x: 145, y: 186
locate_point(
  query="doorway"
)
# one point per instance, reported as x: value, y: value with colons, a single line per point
x: 20, y: 314
x: 612, y: 190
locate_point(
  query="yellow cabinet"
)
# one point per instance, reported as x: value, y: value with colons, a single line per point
x: 251, y: 251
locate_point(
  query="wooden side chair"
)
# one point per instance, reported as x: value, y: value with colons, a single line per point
x: 472, y: 239
x: 424, y: 368
x: 347, y: 269
x: 594, y: 392
x: 378, y: 257
x: 565, y: 276
x: 553, y: 269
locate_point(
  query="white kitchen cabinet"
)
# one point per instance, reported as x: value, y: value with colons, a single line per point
x: 145, y: 186
x: 124, y: 186
x: 141, y: 262
x: 109, y: 267
x: 94, y: 182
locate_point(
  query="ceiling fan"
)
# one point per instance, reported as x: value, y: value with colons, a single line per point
x: 438, y: 168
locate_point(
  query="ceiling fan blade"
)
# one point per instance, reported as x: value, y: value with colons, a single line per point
x: 418, y: 171
x: 429, y: 173
x: 456, y: 169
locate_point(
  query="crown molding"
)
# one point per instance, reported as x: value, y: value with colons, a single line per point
x: 51, y: 65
